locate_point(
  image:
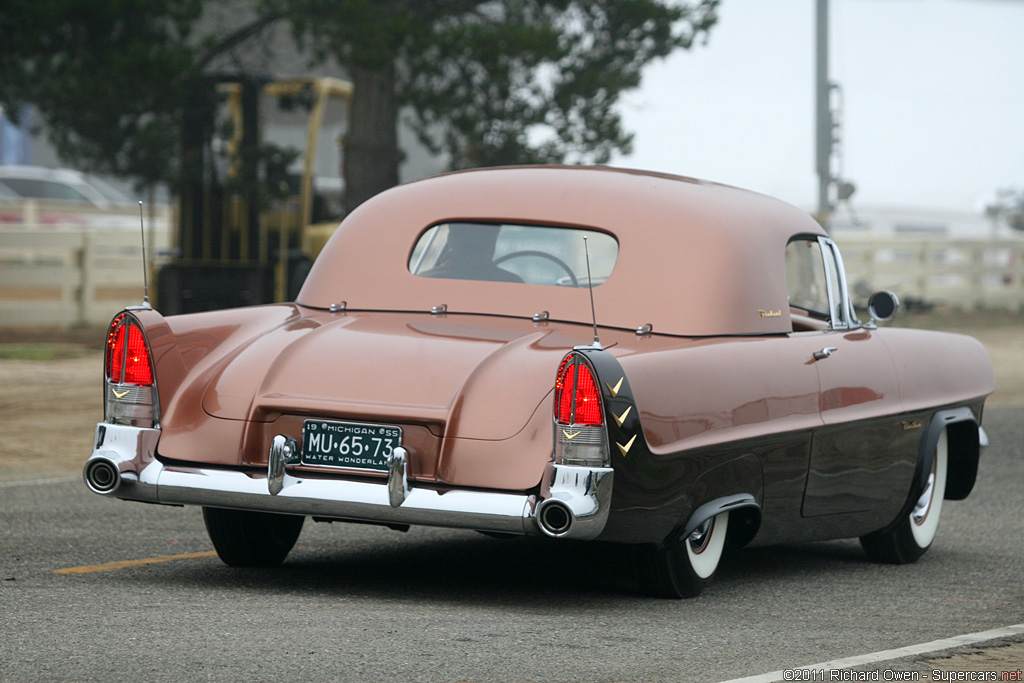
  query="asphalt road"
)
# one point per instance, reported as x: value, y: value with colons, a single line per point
x: 360, y: 603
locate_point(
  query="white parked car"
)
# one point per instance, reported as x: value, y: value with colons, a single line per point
x: 65, y: 196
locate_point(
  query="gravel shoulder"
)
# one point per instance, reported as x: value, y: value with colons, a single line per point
x: 48, y: 414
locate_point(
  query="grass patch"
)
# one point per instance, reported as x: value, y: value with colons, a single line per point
x: 956, y: 320
x: 83, y: 336
x: 42, y: 351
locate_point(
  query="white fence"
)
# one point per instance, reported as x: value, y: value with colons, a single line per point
x: 62, y: 276
x: 961, y: 273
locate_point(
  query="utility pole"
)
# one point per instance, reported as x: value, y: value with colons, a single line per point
x: 828, y: 99
x: 823, y: 115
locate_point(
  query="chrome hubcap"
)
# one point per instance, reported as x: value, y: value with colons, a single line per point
x: 701, y: 535
x: 924, y: 503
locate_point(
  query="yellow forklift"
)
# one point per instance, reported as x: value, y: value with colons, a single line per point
x: 261, y: 189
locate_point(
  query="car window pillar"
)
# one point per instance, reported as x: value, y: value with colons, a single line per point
x: 840, y: 310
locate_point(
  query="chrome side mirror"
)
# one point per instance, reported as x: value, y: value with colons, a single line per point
x: 882, y: 306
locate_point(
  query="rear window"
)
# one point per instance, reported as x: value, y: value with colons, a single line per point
x: 531, y: 254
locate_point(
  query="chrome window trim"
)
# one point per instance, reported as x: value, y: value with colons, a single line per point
x: 841, y: 316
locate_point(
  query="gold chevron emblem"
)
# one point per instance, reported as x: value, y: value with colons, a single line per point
x: 615, y: 389
x: 570, y: 436
x: 625, y: 449
x: 122, y: 394
x: 619, y: 419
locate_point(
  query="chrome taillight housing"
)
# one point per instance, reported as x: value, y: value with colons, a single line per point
x: 129, y: 388
x: 581, y: 437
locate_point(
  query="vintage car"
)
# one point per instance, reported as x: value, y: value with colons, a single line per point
x: 585, y: 353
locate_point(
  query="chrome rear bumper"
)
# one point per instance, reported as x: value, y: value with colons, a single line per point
x: 123, y: 465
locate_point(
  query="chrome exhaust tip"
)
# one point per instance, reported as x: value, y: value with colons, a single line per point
x: 554, y: 518
x: 578, y: 503
x: 102, y: 475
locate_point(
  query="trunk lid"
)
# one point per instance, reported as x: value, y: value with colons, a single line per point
x: 465, y: 377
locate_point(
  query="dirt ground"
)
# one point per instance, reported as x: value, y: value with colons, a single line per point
x: 49, y: 408
x: 1006, y: 349
x: 48, y: 413
x: 995, y: 659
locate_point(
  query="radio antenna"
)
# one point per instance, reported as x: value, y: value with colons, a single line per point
x: 145, y: 274
x: 590, y: 288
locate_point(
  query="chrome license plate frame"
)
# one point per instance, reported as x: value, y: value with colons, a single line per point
x: 348, y: 445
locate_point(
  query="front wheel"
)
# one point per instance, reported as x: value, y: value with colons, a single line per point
x: 914, y: 534
x: 244, y: 538
x: 683, y: 571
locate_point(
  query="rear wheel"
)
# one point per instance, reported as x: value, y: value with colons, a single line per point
x: 244, y: 538
x: 683, y: 571
x: 914, y: 534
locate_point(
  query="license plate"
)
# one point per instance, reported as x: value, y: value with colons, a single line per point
x: 349, y: 444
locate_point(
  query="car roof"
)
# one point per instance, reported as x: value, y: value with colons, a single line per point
x: 696, y: 258
x: 40, y: 173
x: 95, y: 189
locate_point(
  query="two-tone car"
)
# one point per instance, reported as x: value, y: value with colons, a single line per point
x: 661, y: 362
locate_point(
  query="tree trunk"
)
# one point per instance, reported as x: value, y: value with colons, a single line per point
x: 371, y: 145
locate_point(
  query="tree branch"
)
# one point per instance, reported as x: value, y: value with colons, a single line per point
x: 238, y: 37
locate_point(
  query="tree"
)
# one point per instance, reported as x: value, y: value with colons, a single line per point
x: 537, y: 82
x: 1012, y: 208
x: 486, y: 82
x: 110, y: 78
x: 492, y: 82
x: 1008, y: 205
x: 106, y: 78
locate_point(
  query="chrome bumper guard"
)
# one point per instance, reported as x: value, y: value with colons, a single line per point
x: 123, y: 465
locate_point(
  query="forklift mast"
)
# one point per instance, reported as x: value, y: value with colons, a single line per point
x: 252, y: 215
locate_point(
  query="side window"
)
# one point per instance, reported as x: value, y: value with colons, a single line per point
x: 806, y: 278
x: 817, y: 285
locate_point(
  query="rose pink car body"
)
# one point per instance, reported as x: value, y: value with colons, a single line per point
x: 731, y: 395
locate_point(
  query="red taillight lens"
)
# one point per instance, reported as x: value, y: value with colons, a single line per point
x: 136, y: 368
x: 577, y: 399
x: 588, y: 399
x: 564, y: 385
x: 126, y: 348
x: 115, y: 350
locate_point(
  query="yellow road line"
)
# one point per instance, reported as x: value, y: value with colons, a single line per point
x: 132, y: 563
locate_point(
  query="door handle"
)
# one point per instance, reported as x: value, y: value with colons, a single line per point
x: 825, y: 352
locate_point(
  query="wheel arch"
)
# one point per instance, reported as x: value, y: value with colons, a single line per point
x: 963, y: 445
x: 964, y: 454
x: 963, y: 449
x: 733, y: 487
x: 744, y: 519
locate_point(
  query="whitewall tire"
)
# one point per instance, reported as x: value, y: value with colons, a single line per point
x: 913, y: 535
x: 683, y: 571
